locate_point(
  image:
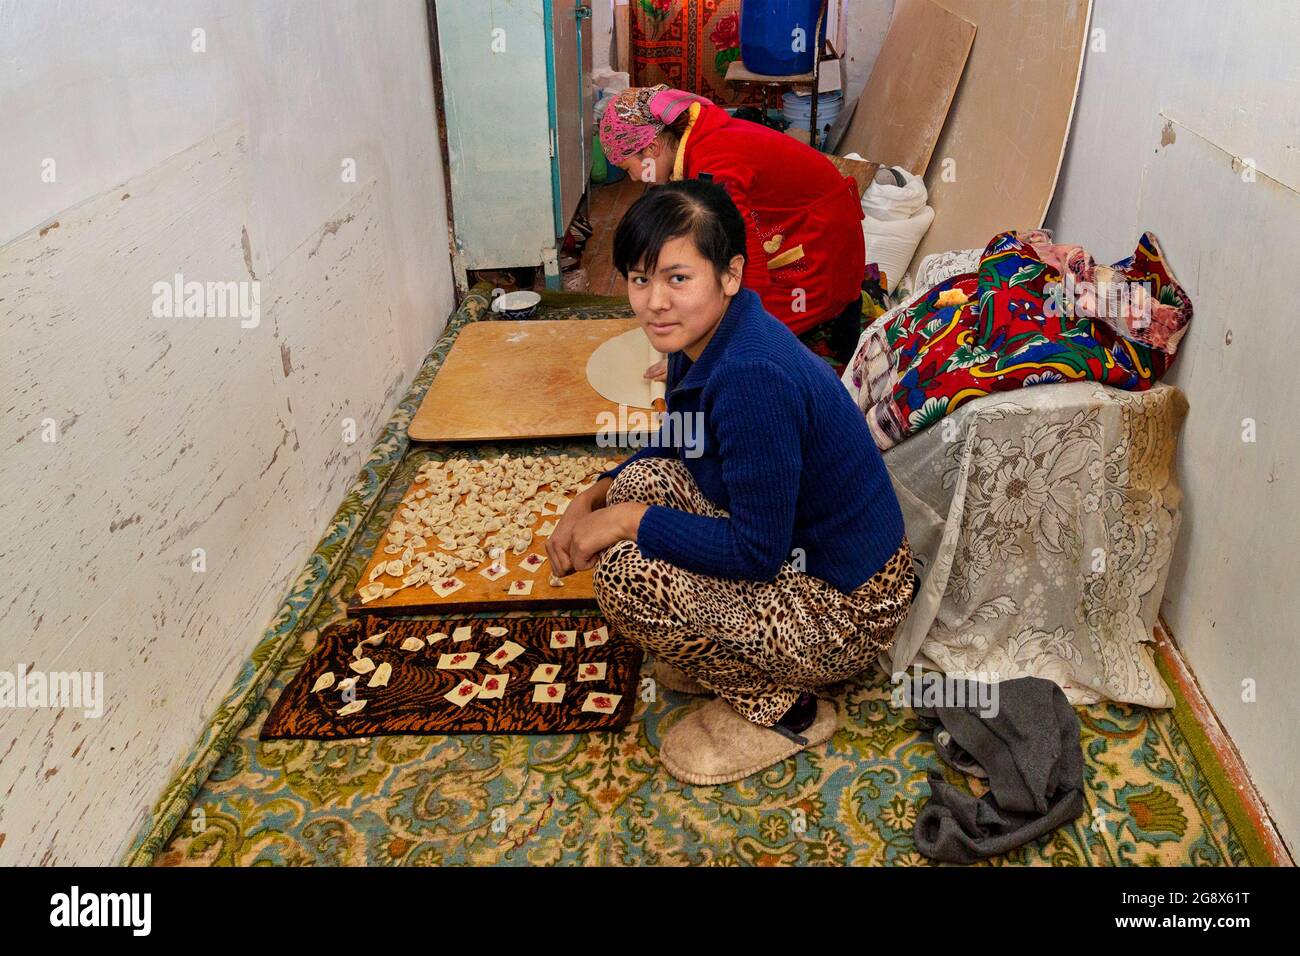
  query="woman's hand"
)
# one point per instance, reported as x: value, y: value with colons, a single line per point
x: 580, y: 536
x: 657, y: 372
x: 560, y: 543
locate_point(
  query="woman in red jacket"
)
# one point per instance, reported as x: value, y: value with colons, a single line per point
x: 805, y: 254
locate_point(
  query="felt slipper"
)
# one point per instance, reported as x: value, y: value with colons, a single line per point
x: 675, y: 679
x: 714, y: 744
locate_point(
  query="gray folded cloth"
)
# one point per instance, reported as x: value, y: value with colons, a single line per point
x: 1029, y: 749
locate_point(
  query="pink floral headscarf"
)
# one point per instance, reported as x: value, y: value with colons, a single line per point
x: 636, y: 116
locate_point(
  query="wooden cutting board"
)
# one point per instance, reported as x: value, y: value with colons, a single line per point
x: 479, y: 593
x: 526, y: 379
x: 861, y: 170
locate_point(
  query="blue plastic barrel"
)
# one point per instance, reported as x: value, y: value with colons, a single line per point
x: 768, y: 37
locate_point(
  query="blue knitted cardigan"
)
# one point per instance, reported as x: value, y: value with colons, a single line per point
x: 783, y: 449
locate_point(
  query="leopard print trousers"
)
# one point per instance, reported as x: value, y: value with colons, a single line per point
x: 757, y: 644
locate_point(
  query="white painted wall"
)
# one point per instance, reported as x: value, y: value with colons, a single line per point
x: 602, y: 33
x: 176, y: 434
x: 857, y: 30
x: 1182, y: 93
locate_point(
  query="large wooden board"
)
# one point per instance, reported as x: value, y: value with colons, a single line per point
x: 902, y: 110
x: 525, y: 379
x: 1006, y: 133
x: 479, y: 593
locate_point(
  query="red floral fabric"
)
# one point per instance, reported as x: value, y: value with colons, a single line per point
x: 1033, y: 313
x: 687, y: 44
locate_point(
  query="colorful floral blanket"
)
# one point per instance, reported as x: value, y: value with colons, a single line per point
x: 1032, y: 313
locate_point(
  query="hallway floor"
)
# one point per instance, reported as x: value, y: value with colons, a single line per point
x: 607, y: 205
x: 1158, y: 790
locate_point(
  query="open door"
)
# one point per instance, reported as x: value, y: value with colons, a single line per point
x: 571, y: 159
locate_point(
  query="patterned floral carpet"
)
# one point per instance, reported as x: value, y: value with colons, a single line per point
x: 1155, y: 794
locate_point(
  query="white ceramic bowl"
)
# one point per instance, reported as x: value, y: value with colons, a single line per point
x: 517, y: 305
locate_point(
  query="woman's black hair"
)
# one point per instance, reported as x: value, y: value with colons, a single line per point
x: 687, y: 207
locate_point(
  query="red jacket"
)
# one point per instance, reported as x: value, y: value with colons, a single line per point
x: 801, y: 215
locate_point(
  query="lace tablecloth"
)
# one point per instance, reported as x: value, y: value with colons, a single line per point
x: 1043, y: 522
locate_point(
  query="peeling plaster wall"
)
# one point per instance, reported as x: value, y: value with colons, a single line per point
x: 224, y: 164
x: 1188, y: 124
x: 862, y: 25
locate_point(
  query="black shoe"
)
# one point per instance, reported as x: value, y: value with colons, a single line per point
x: 800, y: 715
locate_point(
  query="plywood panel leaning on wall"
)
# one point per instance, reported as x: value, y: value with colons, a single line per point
x: 998, y: 156
x: 901, y: 112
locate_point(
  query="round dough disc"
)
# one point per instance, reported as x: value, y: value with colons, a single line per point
x: 616, y: 370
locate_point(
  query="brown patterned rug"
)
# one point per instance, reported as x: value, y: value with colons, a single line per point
x: 406, y: 691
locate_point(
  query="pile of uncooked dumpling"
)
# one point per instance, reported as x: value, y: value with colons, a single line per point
x: 462, y: 512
